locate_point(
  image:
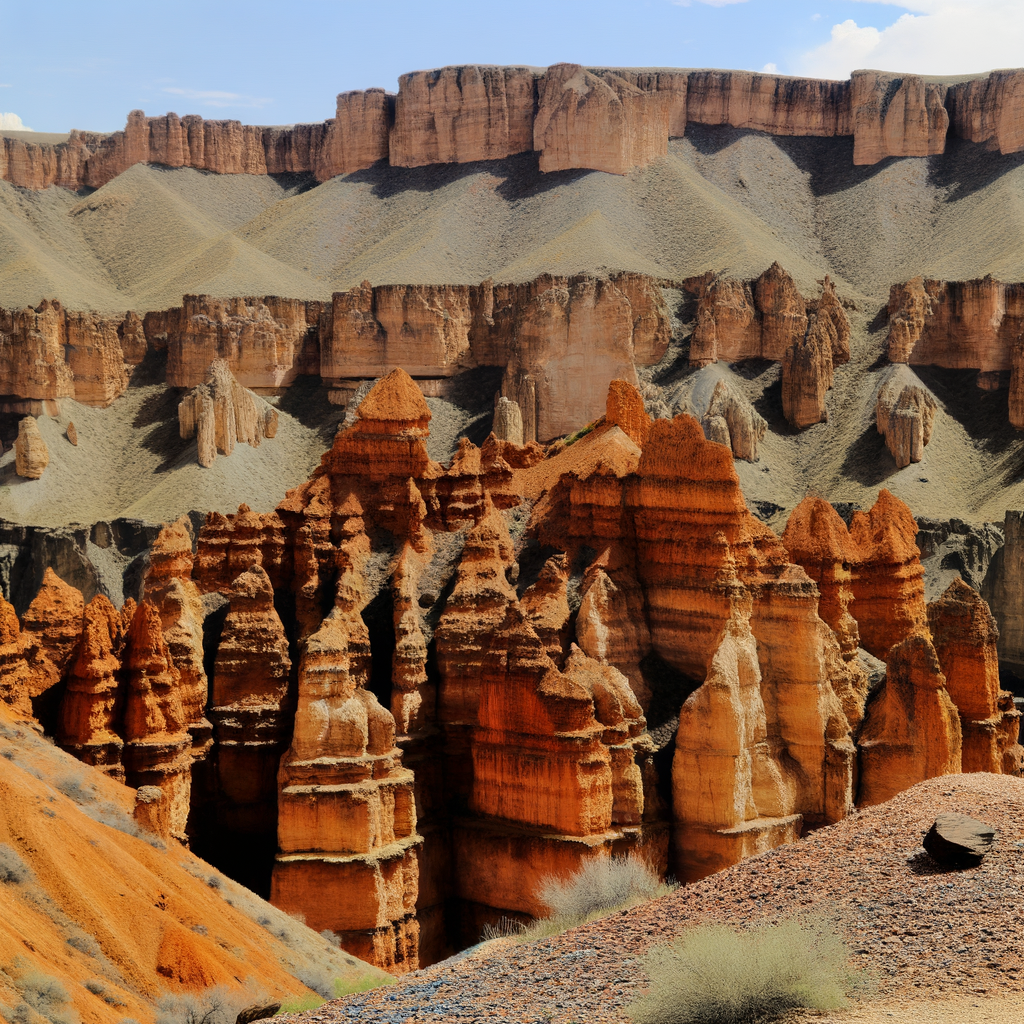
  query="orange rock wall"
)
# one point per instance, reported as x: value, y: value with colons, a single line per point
x: 610, y: 119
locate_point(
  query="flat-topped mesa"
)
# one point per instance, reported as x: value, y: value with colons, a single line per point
x: 220, y: 412
x: 965, y: 636
x: 266, y: 342
x: 611, y: 119
x: 463, y: 114
x: 598, y: 120
x: 888, y: 582
x: 896, y: 115
x: 905, y: 415
x: 911, y: 731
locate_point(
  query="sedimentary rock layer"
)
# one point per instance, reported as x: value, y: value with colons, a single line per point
x: 610, y: 119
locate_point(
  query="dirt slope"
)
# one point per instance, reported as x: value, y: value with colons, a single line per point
x: 82, y: 900
x: 916, y: 934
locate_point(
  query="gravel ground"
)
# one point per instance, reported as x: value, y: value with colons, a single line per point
x: 926, y: 944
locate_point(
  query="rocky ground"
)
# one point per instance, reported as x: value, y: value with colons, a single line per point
x: 925, y: 944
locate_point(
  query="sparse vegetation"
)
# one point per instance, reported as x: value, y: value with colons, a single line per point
x: 47, y: 996
x: 13, y: 870
x: 84, y: 944
x: 326, y: 989
x: 715, y: 975
x: 600, y: 887
x: 218, y: 1005
x: 99, y: 988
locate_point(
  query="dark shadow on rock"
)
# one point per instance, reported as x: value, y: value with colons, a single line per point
x: 868, y: 461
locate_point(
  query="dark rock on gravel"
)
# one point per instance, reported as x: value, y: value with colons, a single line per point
x: 957, y: 841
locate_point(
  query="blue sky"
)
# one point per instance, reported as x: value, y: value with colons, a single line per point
x: 65, y: 65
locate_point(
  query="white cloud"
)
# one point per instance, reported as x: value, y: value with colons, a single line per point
x: 213, y: 98
x: 771, y: 69
x: 942, y: 37
x: 12, y: 123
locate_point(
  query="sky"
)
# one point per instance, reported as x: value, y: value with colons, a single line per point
x: 72, y: 65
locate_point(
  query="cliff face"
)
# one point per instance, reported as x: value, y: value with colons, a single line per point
x: 611, y: 119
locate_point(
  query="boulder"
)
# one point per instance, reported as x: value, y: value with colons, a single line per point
x: 956, y: 841
x: 31, y: 456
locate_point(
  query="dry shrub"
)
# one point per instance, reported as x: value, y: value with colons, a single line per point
x: 46, y: 996
x: 714, y: 975
x: 601, y: 886
x: 218, y: 1005
x: 13, y: 870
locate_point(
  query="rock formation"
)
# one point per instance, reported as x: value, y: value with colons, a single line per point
x: 609, y: 119
x: 52, y: 625
x: 911, y: 731
x: 92, y: 705
x: 265, y: 342
x: 905, y: 415
x: 731, y: 420
x: 965, y: 634
x: 508, y: 420
x: 157, y: 745
x: 220, y: 412
x: 72, y: 433
x: 15, y: 675
x: 95, y: 358
x: 32, y: 364
x: 896, y: 116
x: 31, y: 456
x: 888, y: 583
x: 1004, y: 590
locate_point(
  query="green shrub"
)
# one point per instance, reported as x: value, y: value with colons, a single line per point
x: 218, y: 1005
x: 714, y: 975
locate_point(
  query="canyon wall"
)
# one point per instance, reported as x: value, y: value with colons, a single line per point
x: 610, y: 119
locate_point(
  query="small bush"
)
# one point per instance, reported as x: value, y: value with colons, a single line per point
x: 113, y: 817
x: 13, y: 870
x: 85, y: 944
x: 218, y: 1005
x: 74, y: 788
x: 600, y: 886
x: 714, y: 975
x: 95, y: 986
x: 318, y: 980
x: 47, y: 996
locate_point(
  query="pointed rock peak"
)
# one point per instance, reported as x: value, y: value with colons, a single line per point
x: 253, y: 585
x: 395, y: 398
x: 9, y: 629
x: 888, y: 530
x: 145, y: 631
x: 625, y: 409
x: 816, y: 532
x: 54, y: 595
x: 171, y: 554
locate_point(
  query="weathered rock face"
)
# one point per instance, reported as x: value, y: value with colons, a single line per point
x: 508, y: 421
x: 16, y: 683
x: 598, y: 120
x: 965, y: 635
x: 52, y: 627
x: 95, y: 358
x: 220, y: 412
x: 988, y: 110
x: 911, y: 731
x: 961, y: 325
x: 32, y: 364
x: 769, y: 319
x: 91, y: 708
x: 730, y: 419
x: 265, y: 342
x: 356, y: 138
x: 158, y: 748
x: 905, y: 415
x: 1004, y: 590
x: 896, y: 116
x: 956, y: 841
x: 462, y: 114
x: 888, y: 584
x: 31, y: 456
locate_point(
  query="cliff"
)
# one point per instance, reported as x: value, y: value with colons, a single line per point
x: 610, y: 119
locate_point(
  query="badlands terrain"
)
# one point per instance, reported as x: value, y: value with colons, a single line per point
x: 536, y: 466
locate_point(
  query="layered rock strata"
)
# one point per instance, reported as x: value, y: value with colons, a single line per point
x: 965, y: 635
x: 611, y: 119
x: 220, y: 412
x: 769, y: 319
